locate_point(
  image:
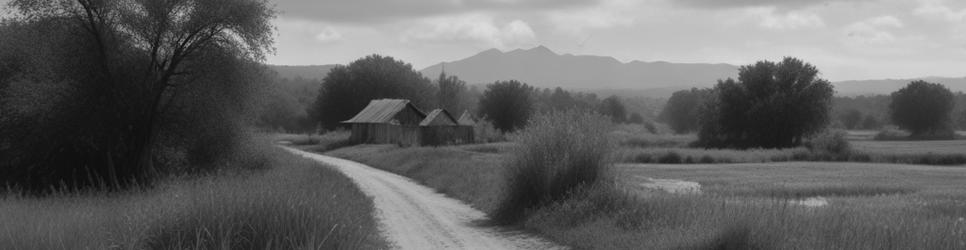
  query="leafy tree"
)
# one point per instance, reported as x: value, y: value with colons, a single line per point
x: 851, y: 119
x: 635, y: 118
x: 871, y: 122
x: 683, y: 109
x: 346, y: 90
x: 452, y: 92
x: 118, y: 79
x: 613, y: 107
x: 771, y: 105
x: 508, y: 104
x: 922, y: 108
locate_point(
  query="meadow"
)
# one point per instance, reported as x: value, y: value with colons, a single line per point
x: 294, y: 204
x: 752, y: 204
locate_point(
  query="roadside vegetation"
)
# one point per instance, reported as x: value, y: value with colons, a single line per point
x: 285, y: 203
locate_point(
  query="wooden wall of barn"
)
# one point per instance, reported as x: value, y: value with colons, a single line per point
x: 446, y: 135
x: 378, y: 133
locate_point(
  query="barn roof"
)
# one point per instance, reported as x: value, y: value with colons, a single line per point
x: 383, y: 111
x: 435, y: 114
x: 467, y: 119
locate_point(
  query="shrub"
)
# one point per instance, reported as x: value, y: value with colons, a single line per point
x: 507, y: 104
x: 486, y: 133
x: 561, y: 151
x: 891, y: 133
x: 831, y: 141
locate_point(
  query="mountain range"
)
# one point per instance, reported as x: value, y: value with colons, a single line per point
x: 542, y: 67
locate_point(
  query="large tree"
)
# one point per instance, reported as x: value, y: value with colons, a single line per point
x: 346, y: 90
x: 113, y: 71
x: 613, y: 107
x: 683, y: 109
x: 507, y: 104
x: 771, y: 105
x: 453, y: 94
x: 851, y: 119
x: 922, y: 107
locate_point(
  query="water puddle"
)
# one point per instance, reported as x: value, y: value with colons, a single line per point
x: 672, y: 186
x: 812, y: 202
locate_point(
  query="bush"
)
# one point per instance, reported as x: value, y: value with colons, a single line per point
x: 831, y: 141
x: 561, y: 151
x: 486, y: 133
x: 507, y: 104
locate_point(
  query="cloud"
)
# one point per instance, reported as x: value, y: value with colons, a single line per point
x: 873, y: 31
x: 782, y: 4
x: 475, y: 28
x: 380, y: 11
x: 937, y: 10
x: 328, y: 34
x: 608, y: 14
x: 769, y: 18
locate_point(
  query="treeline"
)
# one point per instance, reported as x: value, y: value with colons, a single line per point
x: 347, y: 89
x: 776, y: 105
x: 111, y: 94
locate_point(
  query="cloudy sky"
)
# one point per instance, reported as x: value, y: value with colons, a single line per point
x: 846, y: 39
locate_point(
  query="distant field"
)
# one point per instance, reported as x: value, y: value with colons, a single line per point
x: 911, y: 147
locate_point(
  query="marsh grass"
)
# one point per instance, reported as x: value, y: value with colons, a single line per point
x: 298, y: 204
x: 559, y: 153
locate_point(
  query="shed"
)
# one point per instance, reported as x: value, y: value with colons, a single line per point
x: 466, y: 119
x: 400, y: 122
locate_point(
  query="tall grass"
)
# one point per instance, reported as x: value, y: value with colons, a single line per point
x: 298, y: 204
x: 560, y: 152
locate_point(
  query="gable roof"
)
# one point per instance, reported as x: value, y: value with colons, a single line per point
x: 383, y: 111
x: 467, y: 119
x: 436, y: 114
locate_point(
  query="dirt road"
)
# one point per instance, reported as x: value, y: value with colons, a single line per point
x: 413, y: 216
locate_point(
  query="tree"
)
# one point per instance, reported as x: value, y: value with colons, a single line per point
x: 115, y: 72
x: 635, y: 118
x: 613, y: 107
x: 452, y: 91
x: 508, y: 104
x: 871, y: 122
x: 771, y: 105
x: 683, y: 110
x: 346, y: 90
x: 922, y: 108
x: 851, y: 119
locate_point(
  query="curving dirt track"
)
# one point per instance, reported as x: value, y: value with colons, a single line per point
x: 413, y: 216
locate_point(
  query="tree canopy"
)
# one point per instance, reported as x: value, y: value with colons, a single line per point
x: 118, y: 81
x: 613, y: 107
x: 683, y: 109
x: 771, y: 105
x: 508, y: 104
x: 346, y: 90
x: 922, y: 107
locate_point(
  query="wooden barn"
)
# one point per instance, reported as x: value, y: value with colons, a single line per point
x: 400, y: 122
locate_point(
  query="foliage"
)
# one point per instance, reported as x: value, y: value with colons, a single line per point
x: 291, y: 206
x: 830, y: 141
x: 286, y: 106
x: 922, y: 108
x: 684, y: 109
x: 453, y: 95
x: 346, y: 90
x: 613, y: 107
x: 561, y: 152
x: 486, y: 133
x: 113, y: 93
x: 851, y: 119
x: 771, y: 105
x: 507, y: 104
x: 870, y: 122
x: 635, y: 118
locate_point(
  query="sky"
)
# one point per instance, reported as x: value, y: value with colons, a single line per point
x: 845, y: 39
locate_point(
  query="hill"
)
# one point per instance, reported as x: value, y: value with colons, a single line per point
x: 542, y: 67
x: 887, y: 86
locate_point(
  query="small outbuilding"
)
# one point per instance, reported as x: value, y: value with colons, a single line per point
x: 397, y: 121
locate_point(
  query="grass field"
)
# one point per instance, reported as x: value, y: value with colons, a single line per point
x: 742, y: 206
x: 911, y: 147
x: 298, y: 204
